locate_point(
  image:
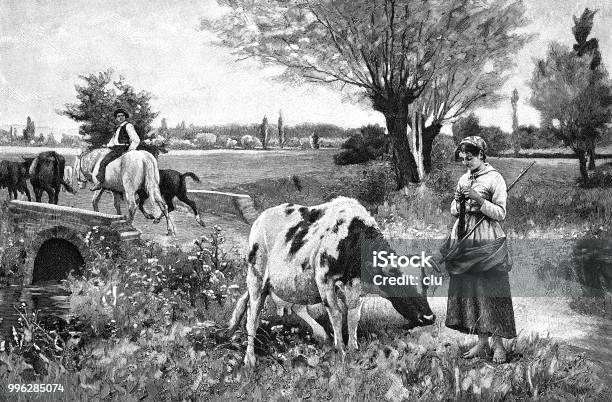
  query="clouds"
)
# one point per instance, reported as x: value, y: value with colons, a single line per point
x: 45, y: 45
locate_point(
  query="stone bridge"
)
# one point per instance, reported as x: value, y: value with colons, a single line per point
x: 54, y: 237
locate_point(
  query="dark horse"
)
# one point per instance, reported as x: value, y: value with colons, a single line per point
x: 172, y: 184
x: 47, y: 174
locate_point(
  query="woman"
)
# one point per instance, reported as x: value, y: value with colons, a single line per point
x: 479, y: 300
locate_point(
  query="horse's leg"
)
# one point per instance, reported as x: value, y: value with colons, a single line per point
x: 183, y: 197
x: 117, y: 202
x: 142, y: 196
x: 96, y: 199
x: 164, y: 208
x: 130, y: 197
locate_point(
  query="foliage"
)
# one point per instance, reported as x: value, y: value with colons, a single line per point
x: 375, y: 185
x: 465, y: 127
x: 369, y: 144
x: 263, y: 132
x: 567, y: 92
x: 572, y: 91
x: 531, y: 137
x: 496, y: 139
x: 99, y: 98
x: 30, y: 130
x: 144, y: 286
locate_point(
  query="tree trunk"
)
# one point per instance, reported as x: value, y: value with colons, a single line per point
x: 592, y: 157
x: 429, y: 134
x: 405, y: 164
x: 582, y: 160
x: 415, y: 137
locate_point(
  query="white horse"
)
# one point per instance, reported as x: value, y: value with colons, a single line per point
x: 133, y: 171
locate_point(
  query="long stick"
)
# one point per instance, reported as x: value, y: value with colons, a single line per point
x: 456, y: 246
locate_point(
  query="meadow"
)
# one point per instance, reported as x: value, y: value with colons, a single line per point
x: 156, y: 334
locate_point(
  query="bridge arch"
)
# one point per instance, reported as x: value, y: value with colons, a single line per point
x: 55, y: 236
x: 54, y: 252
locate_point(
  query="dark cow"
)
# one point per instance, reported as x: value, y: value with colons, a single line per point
x: 172, y: 184
x: 13, y: 176
x: 47, y: 174
x: 302, y: 255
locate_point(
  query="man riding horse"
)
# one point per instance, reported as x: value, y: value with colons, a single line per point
x: 125, y: 139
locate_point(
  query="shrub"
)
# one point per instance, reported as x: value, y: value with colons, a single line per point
x: 247, y: 141
x: 375, y: 185
x: 370, y: 143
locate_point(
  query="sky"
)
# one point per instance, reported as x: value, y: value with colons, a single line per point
x: 155, y: 44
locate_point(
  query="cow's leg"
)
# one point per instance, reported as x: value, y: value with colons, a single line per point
x: 96, y: 199
x: 38, y: 194
x: 56, y: 192
x: 117, y: 202
x: 192, y: 205
x: 258, y: 290
x: 169, y: 203
x: 354, y: 304
x: 318, y: 332
x: 26, y: 191
x: 334, y: 311
x: 238, y: 313
x: 50, y: 195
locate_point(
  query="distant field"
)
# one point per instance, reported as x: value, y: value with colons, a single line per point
x: 557, y: 152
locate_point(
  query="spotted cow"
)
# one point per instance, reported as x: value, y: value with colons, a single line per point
x: 302, y: 256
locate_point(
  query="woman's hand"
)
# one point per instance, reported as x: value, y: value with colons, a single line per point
x: 473, y: 195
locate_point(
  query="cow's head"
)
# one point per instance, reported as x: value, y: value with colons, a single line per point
x: 355, y: 259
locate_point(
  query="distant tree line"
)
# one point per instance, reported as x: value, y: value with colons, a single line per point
x: 189, y: 132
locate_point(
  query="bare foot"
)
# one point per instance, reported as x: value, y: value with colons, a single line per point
x: 499, y: 354
x: 478, y: 350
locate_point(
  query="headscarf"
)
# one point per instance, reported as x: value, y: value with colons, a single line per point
x: 476, y: 141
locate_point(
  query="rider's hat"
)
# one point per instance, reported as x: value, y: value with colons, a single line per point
x: 120, y: 110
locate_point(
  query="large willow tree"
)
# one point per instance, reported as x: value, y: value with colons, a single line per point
x: 449, y: 55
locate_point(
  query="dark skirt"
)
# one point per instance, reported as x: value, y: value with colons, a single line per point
x: 481, y: 303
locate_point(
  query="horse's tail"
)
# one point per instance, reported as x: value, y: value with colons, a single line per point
x: 151, y: 176
x: 189, y: 174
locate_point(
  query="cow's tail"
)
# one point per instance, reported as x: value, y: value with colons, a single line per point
x: 33, y: 167
x: 189, y: 174
x: 60, y: 167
